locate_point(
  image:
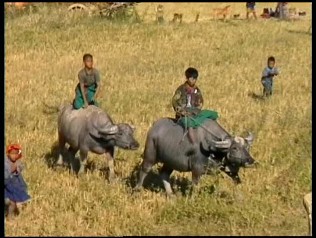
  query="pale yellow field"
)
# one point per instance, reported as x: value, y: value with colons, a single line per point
x: 141, y: 65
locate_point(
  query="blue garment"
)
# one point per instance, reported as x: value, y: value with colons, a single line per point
x: 251, y: 5
x: 267, y: 79
x: 15, y: 188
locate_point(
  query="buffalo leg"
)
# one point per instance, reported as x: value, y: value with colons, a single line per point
x: 165, y: 173
x: 196, y: 175
x: 145, y: 168
x: 83, y: 161
x: 72, y: 152
x: 109, y: 155
x: 61, y: 145
x: 148, y: 161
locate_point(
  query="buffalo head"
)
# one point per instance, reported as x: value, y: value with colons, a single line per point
x: 236, y: 154
x: 122, y: 135
x: 124, y: 138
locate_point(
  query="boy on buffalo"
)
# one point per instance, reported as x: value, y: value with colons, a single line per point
x: 188, y: 97
x: 187, y: 102
x: 89, y: 84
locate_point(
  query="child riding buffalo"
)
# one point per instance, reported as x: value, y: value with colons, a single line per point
x: 188, y: 97
x: 187, y: 102
x: 89, y: 84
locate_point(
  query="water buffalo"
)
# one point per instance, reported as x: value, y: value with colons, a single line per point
x: 167, y: 144
x: 92, y: 129
x: 307, y: 202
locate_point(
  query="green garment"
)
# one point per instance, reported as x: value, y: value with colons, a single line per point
x: 197, y: 120
x: 90, y: 93
x: 91, y: 80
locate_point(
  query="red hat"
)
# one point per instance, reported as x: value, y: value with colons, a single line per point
x: 15, y: 147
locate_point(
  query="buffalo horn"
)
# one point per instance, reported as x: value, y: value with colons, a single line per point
x: 113, y: 129
x: 222, y: 144
x: 249, y: 138
x: 239, y: 140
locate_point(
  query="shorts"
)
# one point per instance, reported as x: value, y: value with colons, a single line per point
x: 251, y: 9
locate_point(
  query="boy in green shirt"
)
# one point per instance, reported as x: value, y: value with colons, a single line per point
x: 188, y: 99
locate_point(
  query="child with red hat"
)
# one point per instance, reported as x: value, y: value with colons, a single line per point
x: 15, y: 188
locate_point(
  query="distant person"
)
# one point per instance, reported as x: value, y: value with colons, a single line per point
x: 251, y: 8
x: 267, y: 77
x: 89, y: 84
x: 15, y: 188
x: 281, y: 10
x: 284, y: 10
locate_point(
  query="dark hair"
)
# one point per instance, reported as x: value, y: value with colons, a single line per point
x: 271, y: 58
x: 191, y: 72
x: 87, y: 56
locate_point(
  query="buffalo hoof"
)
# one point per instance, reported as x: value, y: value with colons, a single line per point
x: 80, y: 174
x: 81, y: 170
x: 59, y: 162
x: 136, y: 189
x: 171, y: 196
x: 237, y: 180
x: 113, y: 180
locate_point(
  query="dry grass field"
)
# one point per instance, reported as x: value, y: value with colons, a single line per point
x: 141, y: 65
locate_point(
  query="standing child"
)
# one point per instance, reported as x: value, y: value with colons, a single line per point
x: 15, y: 188
x: 88, y: 87
x: 267, y: 77
x: 251, y: 8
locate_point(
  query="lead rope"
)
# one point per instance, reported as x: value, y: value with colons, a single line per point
x: 185, y: 127
x: 200, y: 125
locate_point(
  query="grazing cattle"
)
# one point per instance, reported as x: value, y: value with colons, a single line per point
x: 167, y: 144
x: 177, y: 17
x: 225, y: 12
x: 19, y: 5
x: 91, y: 129
x: 307, y: 202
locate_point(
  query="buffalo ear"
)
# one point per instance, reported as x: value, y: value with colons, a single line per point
x: 205, y: 145
x: 94, y: 132
x: 133, y: 128
x: 249, y: 139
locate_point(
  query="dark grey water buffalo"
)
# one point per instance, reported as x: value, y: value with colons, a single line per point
x: 167, y: 144
x: 92, y: 130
